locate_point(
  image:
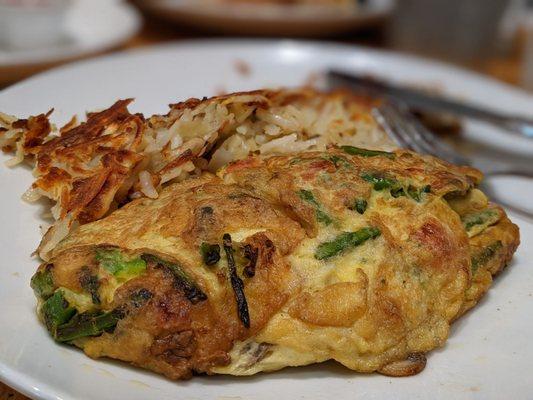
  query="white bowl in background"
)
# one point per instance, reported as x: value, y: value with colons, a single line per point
x: 32, y: 24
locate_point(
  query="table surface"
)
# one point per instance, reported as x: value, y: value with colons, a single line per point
x: 505, y: 67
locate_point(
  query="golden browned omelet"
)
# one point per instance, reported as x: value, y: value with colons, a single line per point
x: 361, y: 256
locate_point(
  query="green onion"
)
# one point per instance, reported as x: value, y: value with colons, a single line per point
x: 488, y: 217
x: 485, y: 255
x: 321, y: 215
x: 359, y: 205
x: 296, y: 160
x: 414, y: 193
x: 379, y: 182
x: 184, y: 282
x: 90, y: 283
x: 210, y: 253
x: 357, y: 151
x: 338, y: 161
x: 140, y: 297
x: 56, y: 311
x: 113, y: 261
x: 236, y: 282
x: 344, y: 241
x: 88, y: 324
x: 397, y: 192
x: 42, y: 282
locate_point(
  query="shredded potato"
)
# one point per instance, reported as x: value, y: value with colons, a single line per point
x: 92, y: 167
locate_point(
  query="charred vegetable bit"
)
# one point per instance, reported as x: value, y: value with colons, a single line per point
x: 485, y: 217
x: 359, y: 205
x: 113, y: 261
x: 90, y: 283
x: 357, y: 151
x: 236, y: 282
x: 56, y: 311
x: 296, y: 160
x: 379, y: 182
x: 88, y: 324
x: 397, y: 192
x: 309, y: 197
x: 193, y: 293
x: 338, y: 161
x: 206, y: 211
x: 251, y: 255
x: 42, y: 282
x: 210, y: 253
x: 140, y: 297
x: 485, y: 255
x: 344, y: 241
x: 416, y: 194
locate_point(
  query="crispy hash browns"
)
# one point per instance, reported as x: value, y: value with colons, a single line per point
x: 91, y: 168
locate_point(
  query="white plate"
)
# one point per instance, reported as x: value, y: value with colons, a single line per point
x: 488, y: 355
x: 270, y: 19
x: 91, y: 26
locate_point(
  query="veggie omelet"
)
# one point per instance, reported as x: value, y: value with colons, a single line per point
x: 361, y: 256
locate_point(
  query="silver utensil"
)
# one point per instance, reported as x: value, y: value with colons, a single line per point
x: 515, y: 124
x: 409, y: 133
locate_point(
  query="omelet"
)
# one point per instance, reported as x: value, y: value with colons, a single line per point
x: 360, y: 256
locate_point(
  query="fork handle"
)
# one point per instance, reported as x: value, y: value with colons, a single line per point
x: 514, y: 124
x: 495, y: 168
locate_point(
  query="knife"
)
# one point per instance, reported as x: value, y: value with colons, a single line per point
x: 515, y: 124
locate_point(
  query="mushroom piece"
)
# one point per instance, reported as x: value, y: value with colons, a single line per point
x: 412, y: 365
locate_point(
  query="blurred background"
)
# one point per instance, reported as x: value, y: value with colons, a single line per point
x: 494, y: 37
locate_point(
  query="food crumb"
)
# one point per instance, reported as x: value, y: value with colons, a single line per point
x: 313, y: 79
x: 139, y: 383
x: 243, y: 68
x: 220, y: 90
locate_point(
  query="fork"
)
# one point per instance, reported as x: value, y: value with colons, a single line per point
x: 408, y: 132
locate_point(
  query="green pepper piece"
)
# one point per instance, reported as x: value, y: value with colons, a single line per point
x: 357, y: 151
x: 309, y: 197
x: 489, y: 217
x: 359, y: 205
x: 379, y: 182
x: 56, y: 311
x: 182, y: 280
x: 397, y: 192
x: 210, y: 253
x: 88, y: 324
x: 42, y: 282
x: 90, y: 283
x: 485, y: 255
x: 140, y: 297
x: 344, y: 241
x: 337, y: 161
x: 414, y: 193
x: 236, y: 282
x: 113, y: 261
